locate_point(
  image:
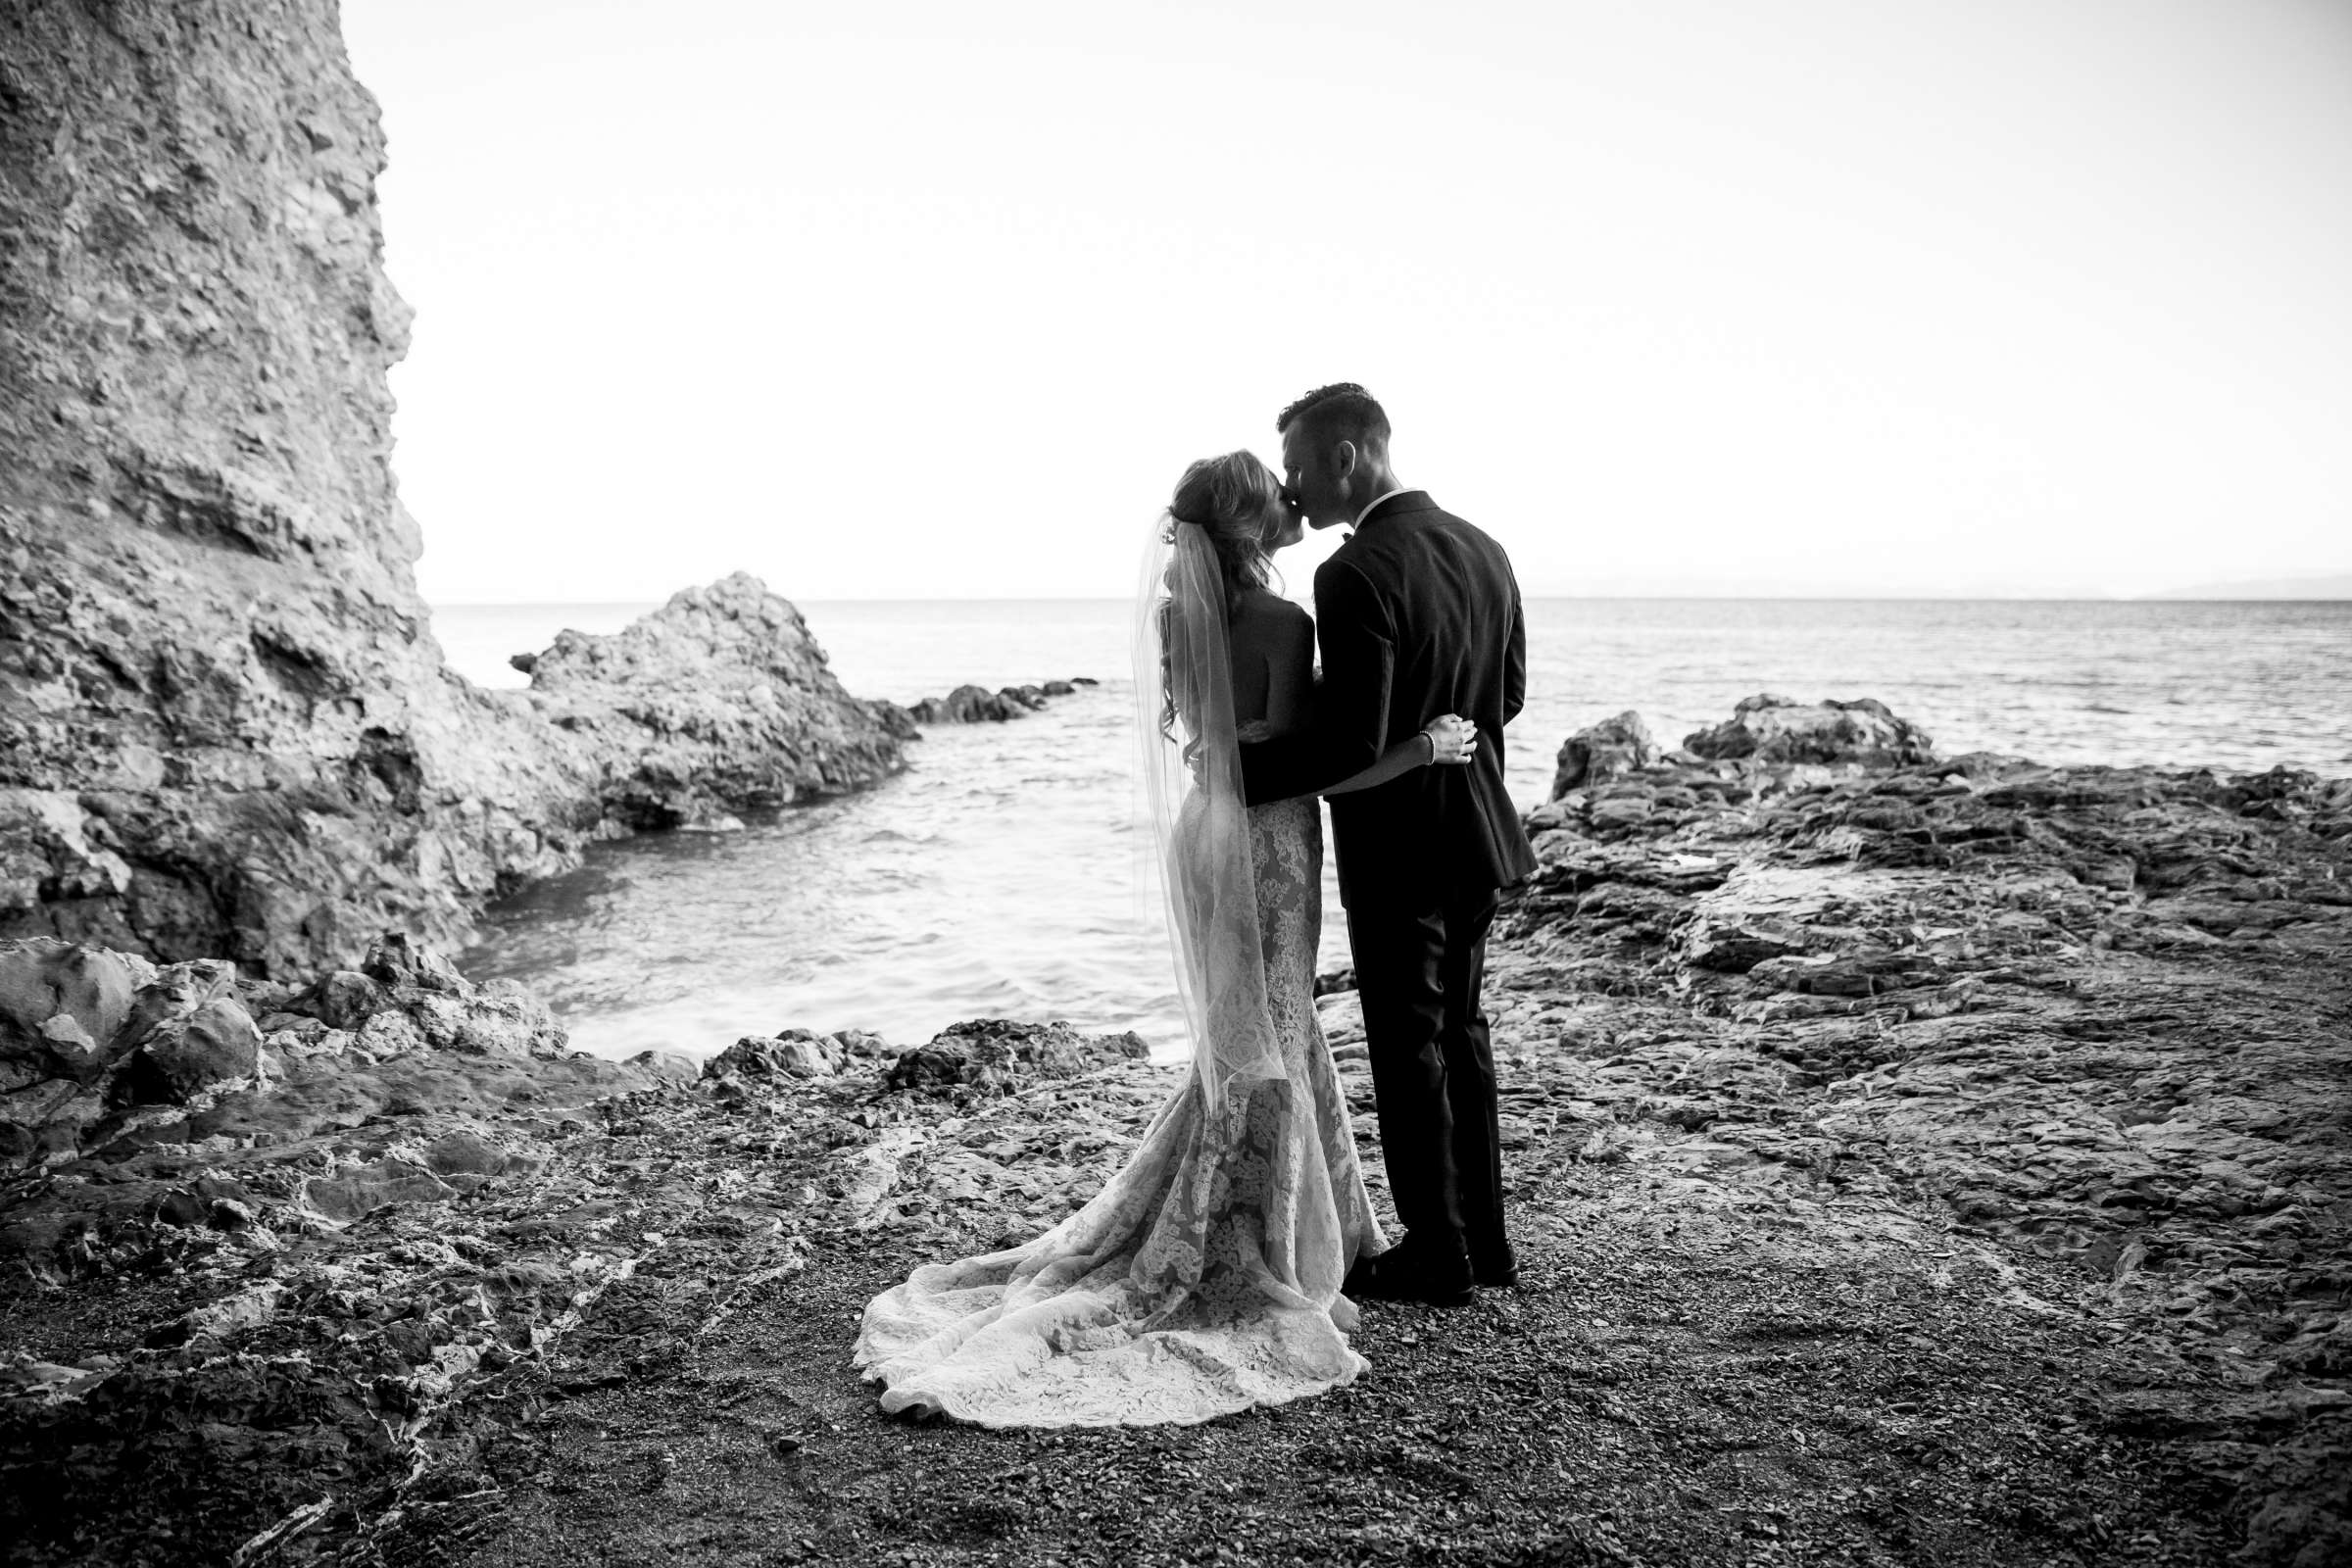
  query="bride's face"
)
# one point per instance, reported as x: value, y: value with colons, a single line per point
x: 1284, y: 526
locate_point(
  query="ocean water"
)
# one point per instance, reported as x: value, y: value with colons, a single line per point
x: 1001, y: 874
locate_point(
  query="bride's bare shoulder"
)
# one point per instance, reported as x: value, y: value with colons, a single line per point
x: 1268, y: 614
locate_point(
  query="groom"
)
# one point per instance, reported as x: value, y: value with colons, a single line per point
x: 1417, y: 614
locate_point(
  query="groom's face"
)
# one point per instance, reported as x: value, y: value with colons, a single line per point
x: 1315, y: 477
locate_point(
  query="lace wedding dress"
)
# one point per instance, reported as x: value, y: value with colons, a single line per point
x: 1205, y: 1278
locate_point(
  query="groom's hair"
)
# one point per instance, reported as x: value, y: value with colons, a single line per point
x: 1339, y: 412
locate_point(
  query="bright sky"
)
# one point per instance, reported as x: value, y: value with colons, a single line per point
x: 922, y: 300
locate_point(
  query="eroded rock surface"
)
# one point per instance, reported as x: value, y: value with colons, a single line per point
x: 1603, y: 751
x: 226, y: 729
x: 299, y: 1301
x: 1929, y: 1161
x: 2099, y: 1016
x: 105, y: 1053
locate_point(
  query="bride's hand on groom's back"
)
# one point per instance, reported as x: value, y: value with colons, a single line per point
x: 1452, y: 740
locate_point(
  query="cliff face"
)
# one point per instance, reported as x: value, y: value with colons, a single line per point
x: 226, y: 729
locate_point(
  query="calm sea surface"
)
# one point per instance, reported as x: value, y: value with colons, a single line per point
x: 999, y: 876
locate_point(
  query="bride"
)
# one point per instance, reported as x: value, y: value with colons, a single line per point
x: 1205, y: 1278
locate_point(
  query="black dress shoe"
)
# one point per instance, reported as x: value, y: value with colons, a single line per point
x: 1395, y: 1277
x: 1492, y: 1263
x: 1496, y: 1271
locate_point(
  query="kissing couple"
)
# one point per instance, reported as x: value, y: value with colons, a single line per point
x: 1218, y: 1270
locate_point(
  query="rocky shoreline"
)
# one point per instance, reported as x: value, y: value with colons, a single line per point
x: 1913, y: 1160
x: 1916, y: 1159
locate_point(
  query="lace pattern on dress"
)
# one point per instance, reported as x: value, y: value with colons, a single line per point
x: 1205, y: 1278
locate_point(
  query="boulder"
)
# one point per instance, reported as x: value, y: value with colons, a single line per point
x: 85, y: 1032
x: 1603, y: 751
x: 965, y: 705
x: 793, y: 1054
x: 211, y: 1043
x: 65, y: 1011
x: 998, y: 1056
x: 342, y: 999
x: 1781, y: 732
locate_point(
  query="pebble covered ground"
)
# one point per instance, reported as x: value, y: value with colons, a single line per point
x: 1939, y: 1163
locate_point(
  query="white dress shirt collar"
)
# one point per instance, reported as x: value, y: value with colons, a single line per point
x: 1374, y: 502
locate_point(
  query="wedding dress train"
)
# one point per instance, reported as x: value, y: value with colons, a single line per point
x: 1205, y: 1278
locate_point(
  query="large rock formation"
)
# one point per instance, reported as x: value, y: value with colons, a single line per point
x: 1781, y: 731
x: 718, y: 701
x: 226, y: 729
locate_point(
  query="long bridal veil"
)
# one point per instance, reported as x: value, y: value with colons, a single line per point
x: 1192, y: 775
x: 1205, y: 1278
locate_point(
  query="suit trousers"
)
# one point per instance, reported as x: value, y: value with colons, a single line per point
x: 1418, y: 971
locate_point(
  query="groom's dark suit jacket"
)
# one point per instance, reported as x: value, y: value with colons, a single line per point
x: 1417, y: 614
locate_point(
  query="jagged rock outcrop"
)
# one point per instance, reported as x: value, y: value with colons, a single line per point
x: 2092, y: 1013
x: 718, y: 702
x: 105, y: 1050
x: 1603, y: 751
x: 226, y: 729
x: 1781, y: 732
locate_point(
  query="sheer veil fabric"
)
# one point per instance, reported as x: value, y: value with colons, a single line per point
x: 1205, y: 1278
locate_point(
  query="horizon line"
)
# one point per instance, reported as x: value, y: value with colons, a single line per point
x: 2162, y: 596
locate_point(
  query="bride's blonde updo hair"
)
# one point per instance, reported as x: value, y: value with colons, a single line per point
x: 1235, y: 501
